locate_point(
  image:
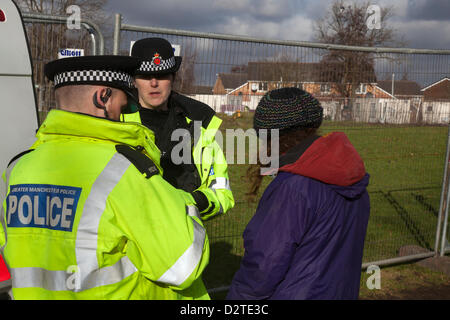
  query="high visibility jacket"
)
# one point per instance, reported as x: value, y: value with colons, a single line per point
x: 82, y: 220
x: 208, y: 156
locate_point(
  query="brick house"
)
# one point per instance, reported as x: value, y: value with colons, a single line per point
x: 372, y: 100
x: 436, y: 102
x: 440, y: 90
x: 405, y: 90
x: 316, y: 78
x: 228, y: 82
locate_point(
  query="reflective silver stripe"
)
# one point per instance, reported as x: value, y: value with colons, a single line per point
x: 3, y: 192
x: 3, y: 226
x: 185, y: 265
x: 220, y: 209
x: 61, y: 280
x: 220, y: 204
x: 87, y: 233
x: 40, y: 278
x: 2, y: 198
x: 108, y: 275
x: 192, y: 211
x: 220, y: 183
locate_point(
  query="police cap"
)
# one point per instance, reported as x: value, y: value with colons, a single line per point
x: 156, y: 56
x: 111, y: 71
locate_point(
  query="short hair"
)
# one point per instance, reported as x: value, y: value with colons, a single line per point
x: 71, y: 96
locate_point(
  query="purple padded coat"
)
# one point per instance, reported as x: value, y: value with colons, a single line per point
x: 306, y: 238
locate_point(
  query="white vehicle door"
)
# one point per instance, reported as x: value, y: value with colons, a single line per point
x: 19, y: 118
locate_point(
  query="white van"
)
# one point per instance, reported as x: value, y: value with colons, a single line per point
x: 19, y: 118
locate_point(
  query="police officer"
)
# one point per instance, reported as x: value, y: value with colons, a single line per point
x: 87, y: 214
x: 201, y: 168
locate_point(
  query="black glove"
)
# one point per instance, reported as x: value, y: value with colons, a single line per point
x: 201, y: 200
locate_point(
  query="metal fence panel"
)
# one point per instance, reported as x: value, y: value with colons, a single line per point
x: 46, y: 36
x: 388, y: 101
x: 445, y: 244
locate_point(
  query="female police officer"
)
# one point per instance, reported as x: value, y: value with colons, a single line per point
x: 204, y: 171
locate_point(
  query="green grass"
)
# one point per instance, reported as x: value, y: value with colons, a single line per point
x: 399, y: 282
x: 406, y: 166
x: 407, y: 282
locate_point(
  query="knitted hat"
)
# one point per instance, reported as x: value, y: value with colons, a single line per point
x: 288, y: 108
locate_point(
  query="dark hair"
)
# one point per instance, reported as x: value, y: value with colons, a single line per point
x: 288, y: 138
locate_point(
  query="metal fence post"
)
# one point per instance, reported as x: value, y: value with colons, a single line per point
x: 444, y: 232
x: 445, y: 217
x: 117, y: 27
x: 94, y: 42
x: 92, y: 28
x: 443, y: 207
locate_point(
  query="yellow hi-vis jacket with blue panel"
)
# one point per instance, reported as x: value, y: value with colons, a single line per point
x: 208, y: 157
x: 81, y: 221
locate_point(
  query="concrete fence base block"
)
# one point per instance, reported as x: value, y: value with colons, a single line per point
x: 440, y: 264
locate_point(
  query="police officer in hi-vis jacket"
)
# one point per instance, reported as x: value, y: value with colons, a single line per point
x: 87, y: 214
x: 201, y: 168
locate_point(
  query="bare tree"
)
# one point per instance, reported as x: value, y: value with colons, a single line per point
x: 350, y: 24
x: 45, y: 39
x: 279, y: 71
x: 92, y: 9
x: 185, y: 79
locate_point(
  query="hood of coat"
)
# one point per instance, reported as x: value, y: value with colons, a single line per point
x: 331, y: 159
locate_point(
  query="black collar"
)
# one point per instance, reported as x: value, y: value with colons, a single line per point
x: 191, y: 108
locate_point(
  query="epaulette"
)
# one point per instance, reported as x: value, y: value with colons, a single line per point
x: 143, y: 163
x: 18, y: 156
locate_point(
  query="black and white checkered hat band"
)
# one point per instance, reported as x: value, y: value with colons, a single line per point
x: 150, y: 66
x: 93, y: 76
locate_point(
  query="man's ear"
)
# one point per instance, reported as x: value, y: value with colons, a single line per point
x: 101, y: 97
x: 105, y: 94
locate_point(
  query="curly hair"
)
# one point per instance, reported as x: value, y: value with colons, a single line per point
x: 288, y: 138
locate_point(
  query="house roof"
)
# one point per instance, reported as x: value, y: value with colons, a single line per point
x: 233, y: 80
x: 401, y: 87
x: 202, y: 90
x: 286, y: 71
x: 435, y: 83
x: 303, y: 72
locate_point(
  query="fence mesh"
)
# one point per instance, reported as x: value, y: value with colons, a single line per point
x: 45, y: 40
x: 394, y: 107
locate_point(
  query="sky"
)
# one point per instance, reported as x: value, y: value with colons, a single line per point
x: 422, y: 23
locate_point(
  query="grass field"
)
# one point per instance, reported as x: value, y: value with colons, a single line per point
x: 406, y: 167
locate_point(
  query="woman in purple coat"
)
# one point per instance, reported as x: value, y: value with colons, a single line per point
x: 306, y: 238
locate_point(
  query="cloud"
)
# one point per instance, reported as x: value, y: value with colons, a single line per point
x: 271, y: 9
x: 294, y: 28
x: 198, y: 14
x: 189, y: 14
x: 429, y: 10
x: 417, y: 20
x: 422, y: 33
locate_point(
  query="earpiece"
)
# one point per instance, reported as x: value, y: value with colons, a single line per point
x: 108, y: 93
x: 103, y: 99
